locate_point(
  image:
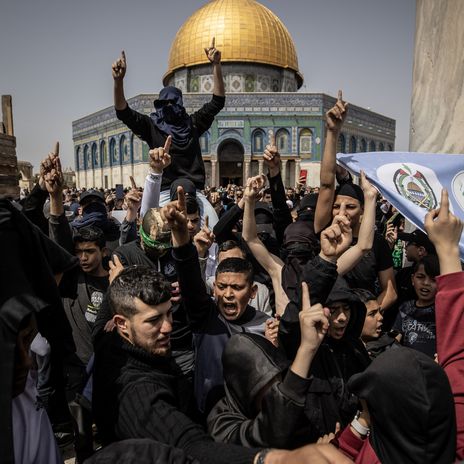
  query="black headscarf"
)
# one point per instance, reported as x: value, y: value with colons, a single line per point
x: 170, y: 116
x: 411, y: 408
x: 29, y: 262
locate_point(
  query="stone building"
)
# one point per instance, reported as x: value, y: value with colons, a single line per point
x: 262, y: 79
x: 8, y: 162
x: 26, y: 177
x: 69, y: 178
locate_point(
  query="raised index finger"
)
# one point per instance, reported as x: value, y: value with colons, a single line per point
x: 207, y: 221
x: 167, y: 144
x: 213, y: 42
x: 57, y: 149
x: 134, y: 185
x: 123, y: 55
x: 340, y: 95
x: 444, y: 204
x: 271, y: 138
x: 305, y: 296
x: 180, y: 198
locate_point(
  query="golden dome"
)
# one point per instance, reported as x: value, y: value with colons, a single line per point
x: 245, y: 31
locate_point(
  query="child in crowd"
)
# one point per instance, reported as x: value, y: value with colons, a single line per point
x: 416, y: 318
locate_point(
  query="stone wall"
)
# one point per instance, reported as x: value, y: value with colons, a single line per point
x: 9, y: 178
x: 437, y: 107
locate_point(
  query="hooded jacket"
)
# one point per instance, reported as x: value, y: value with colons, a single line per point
x: 264, y: 402
x: 411, y: 411
x: 328, y: 400
x: 186, y: 158
x: 350, y: 352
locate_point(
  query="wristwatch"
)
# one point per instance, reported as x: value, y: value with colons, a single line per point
x: 361, y: 429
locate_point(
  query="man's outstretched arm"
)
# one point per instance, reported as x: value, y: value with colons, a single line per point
x: 214, y: 55
x: 119, y: 71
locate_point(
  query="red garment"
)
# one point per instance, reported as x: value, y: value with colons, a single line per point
x: 355, y: 448
x: 449, y: 312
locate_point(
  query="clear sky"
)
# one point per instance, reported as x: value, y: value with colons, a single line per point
x: 56, y: 57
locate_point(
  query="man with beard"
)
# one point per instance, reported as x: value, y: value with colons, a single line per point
x: 153, y: 401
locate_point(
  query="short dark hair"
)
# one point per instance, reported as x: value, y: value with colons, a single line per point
x: 238, y: 265
x: 140, y: 282
x: 431, y: 265
x: 364, y: 295
x: 230, y: 245
x: 266, y: 191
x: 90, y: 234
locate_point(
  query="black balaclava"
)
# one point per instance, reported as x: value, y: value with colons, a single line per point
x: 170, y: 116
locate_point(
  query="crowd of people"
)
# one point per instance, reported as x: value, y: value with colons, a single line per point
x: 179, y: 323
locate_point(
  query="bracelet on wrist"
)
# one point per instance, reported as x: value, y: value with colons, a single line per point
x: 361, y: 429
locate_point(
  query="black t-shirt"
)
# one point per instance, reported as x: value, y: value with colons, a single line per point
x: 82, y: 312
x: 417, y: 323
x: 365, y: 273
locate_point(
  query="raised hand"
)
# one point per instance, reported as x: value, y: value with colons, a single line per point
x: 116, y: 268
x: 160, y: 158
x: 314, y: 321
x: 445, y: 230
x: 336, y: 238
x: 391, y: 234
x: 204, y: 239
x: 175, y: 215
x: 335, y: 117
x: 271, y: 331
x: 253, y: 187
x: 50, y: 170
x: 119, y: 67
x: 133, y: 200
x: 370, y: 192
x: 271, y: 155
x: 212, y: 53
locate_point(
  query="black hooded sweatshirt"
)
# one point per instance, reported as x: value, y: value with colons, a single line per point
x: 329, y: 400
x: 411, y: 410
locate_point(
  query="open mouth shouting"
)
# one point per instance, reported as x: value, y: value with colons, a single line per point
x: 229, y: 309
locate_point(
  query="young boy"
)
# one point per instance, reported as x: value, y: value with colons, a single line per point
x: 416, y: 318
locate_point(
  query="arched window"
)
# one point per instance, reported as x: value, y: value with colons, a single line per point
x: 113, y: 153
x: 124, y: 149
x: 306, y: 141
x: 390, y: 147
x: 94, y: 155
x: 371, y: 145
x: 104, y: 154
x: 204, y: 143
x: 341, y: 144
x: 258, y: 141
x: 87, y: 158
x: 132, y: 147
x: 381, y: 147
x: 353, y: 145
x: 363, y: 145
x: 283, y: 141
x: 79, y: 159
